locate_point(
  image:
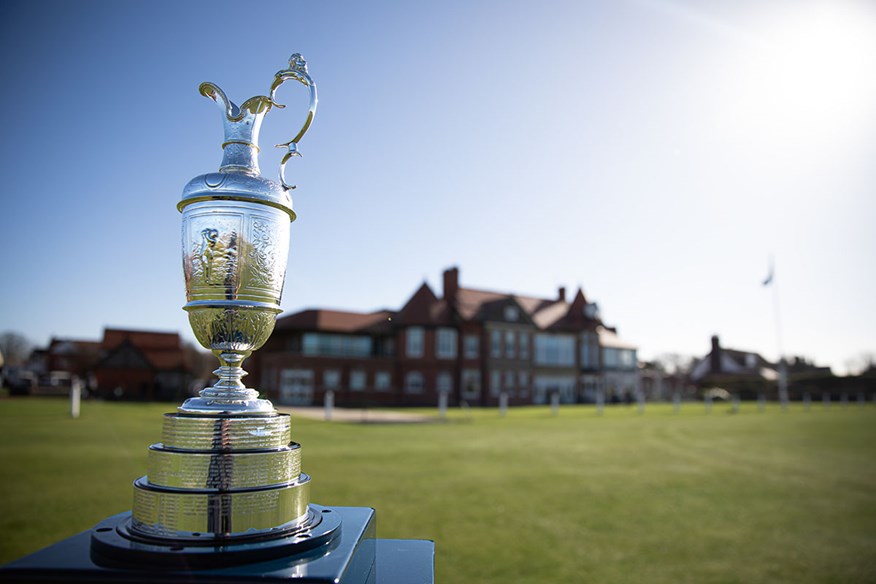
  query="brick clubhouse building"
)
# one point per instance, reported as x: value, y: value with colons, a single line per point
x: 472, y: 344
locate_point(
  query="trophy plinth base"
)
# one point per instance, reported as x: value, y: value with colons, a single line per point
x: 114, y: 543
x: 351, y: 555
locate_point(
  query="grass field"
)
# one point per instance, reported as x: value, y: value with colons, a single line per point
x: 749, y: 497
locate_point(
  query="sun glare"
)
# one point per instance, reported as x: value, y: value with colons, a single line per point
x: 812, y: 73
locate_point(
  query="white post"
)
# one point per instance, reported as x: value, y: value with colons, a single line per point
x: 503, y: 404
x: 640, y: 398
x: 600, y: 401
x: 844, y: 399
x: 676, y: 402
x: 708, y: 403
x: 442, y: 405
x: 861, y: 400
x: 555, y: 403
x: 761, y: 402
x: 735, y: 403
x: 75, y: 397
x: 825, y: 399
x: 329, y: 403
x: 807, y: 401
x: 783, y: 384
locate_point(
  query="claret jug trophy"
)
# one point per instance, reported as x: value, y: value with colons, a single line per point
x: 226, y: 467
x: 224, y: 498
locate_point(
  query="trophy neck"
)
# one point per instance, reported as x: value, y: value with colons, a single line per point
x: 240, y: 156
x: 240, y: 150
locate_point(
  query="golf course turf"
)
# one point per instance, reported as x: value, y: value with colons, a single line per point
x: 694, y: 497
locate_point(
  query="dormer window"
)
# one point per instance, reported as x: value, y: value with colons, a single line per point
x: 511, y: 313
x: 591, y: 310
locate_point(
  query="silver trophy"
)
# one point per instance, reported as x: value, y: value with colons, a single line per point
x: 226, y: 468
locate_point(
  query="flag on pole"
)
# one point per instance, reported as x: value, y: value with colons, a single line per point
x: 769, y: 278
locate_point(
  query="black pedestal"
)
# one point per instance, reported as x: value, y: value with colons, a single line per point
x: 352, y: 555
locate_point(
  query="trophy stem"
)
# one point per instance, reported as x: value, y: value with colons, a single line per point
x: 229, y: 394
x: 230, y: 372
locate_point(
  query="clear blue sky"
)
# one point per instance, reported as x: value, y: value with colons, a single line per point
x: 654, y: 152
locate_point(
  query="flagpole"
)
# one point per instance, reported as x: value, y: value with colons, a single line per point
x: 782, y: 365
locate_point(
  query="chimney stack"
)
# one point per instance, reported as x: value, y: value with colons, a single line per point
x: 715, y: 355
x: 561, y: 294
x: 451, y: 284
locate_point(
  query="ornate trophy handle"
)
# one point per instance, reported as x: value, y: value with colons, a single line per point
x: 298, y: 71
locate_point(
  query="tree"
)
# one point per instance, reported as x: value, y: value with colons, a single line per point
x: 860, y: 363
x: 675, y: 363
x: 15, y: 348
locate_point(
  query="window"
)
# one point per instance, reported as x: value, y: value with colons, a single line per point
x: 509, y: 380
x: 510, y: 348
x: 471, y: 383
x: 546, y: 385
x: 382, y: 380
x: 495, y: 383
x: 414, y: 337
x: 591, y: 311
x: 331, y: 378
x: 589, y: 351
x: 511, y: 313
x: 609, y: 358
x: 357, y: 380
x: 444, y: 383
x: 471, y: 347
x: 296, y: 387
x: 523, y: 379
x: 496, y: 344
x: 558, y: 350
x: 414, y: 382
x: 321, y: 344
x: 524, y: 345
x: 385, y: 347
x: 445, y: 347
x: 523, y: 384
x: 627, y: 358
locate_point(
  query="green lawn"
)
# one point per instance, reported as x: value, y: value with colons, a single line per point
x: 751, y: 497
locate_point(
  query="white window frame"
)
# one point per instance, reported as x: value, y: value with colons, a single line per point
x: 331, y: 378
x: 472, y: 346
x: 510, y: 344
x: 523, y: 379
x: 445, y: 343
x: 414, y: 382
x: 444, y: 382
x: 495, y: 382
x: 415, y: 339
x: 358, y: 380
x: 471, y: 383
x: 382, y: 380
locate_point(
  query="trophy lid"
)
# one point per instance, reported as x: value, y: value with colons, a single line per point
x: 237, y: 186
